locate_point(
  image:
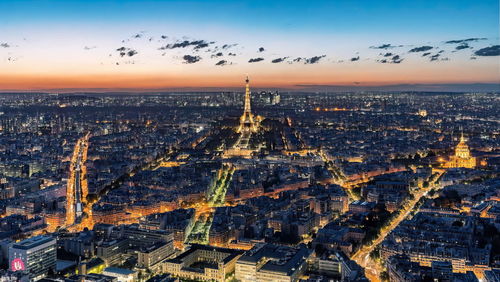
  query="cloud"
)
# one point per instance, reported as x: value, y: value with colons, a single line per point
x: 221, y: 63
x: 434, y: 57
x: 132, y: 53
x: 488, y: 51
x: 5, y: 45
x: 261, y: 49
x: 354, y: 59
x: 219, y: 54
x: 197, y: 44
x: 462, y: 46
x: 388, y: 54
x: 231, y: 54
x: 89, y: 47
x: 384, y: 46
x: 124, y: 51
x: 137, y: 35
x: 425, y: 54
x: 279, y: 60
x: 314, y: 60
x: 227, y: 46
x: 396, y: 59
x: 308, y: 61
x: 164, y: 37
x: 188, y: 59
x: 421, y: 49
x: 464, y: 40
x: 255, y: 60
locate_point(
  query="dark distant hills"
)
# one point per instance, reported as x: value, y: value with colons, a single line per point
x: 357, y: 87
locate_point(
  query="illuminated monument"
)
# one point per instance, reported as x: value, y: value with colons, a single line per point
x: 247, y: 123
x: 462, y: 157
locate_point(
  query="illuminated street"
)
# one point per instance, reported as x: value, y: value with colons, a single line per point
x: 362, y: 256
x: 77, y: 210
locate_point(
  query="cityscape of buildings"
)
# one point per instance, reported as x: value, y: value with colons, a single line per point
x: 250, y: 186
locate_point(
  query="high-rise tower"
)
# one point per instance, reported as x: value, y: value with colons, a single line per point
x: 247, y: 123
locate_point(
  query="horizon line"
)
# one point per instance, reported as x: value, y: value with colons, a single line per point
x: 412, y: 87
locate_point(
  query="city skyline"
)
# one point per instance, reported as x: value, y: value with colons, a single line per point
x: 210, y: 45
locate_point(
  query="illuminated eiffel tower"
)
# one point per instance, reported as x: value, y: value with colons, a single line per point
x: 247, y: 123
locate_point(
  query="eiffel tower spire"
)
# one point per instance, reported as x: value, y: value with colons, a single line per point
x: 247, y: 123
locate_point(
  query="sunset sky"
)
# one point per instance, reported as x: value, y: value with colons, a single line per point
x: 214, y: 44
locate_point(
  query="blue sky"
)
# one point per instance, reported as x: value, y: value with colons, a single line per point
x: 51, y: 35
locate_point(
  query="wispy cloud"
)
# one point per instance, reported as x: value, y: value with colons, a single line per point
x: 420, y: 49
x: 196, y: 44
x: 278, y: 60
x: 464, y: 40
x: 255, y: 60
x: 222, y: 63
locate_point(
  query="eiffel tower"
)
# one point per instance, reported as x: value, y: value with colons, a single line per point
x: 247, y: 123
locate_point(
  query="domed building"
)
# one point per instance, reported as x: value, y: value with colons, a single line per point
x: 462, y: 157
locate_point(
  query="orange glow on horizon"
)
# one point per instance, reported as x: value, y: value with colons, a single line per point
x: 292, y: 77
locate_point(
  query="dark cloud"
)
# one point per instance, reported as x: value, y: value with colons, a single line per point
x: 164, y: 37
x: 388, y: 54
x: 126, y: 51
x: 231, y: 54
x: 279, y: 60
x: 261, y: 49
x: 5, y: 45
x: 464, y: 40
x: 434, y: 57
x: 396, y: 59
x: 426, y: 54
x: 384, y: 46
x: 255, y: 60
x: 462, y: 46
x: 308, y: 61
x: 219, y: 54
x: 473, y: 58
x: 196, y: 44
x: 314, y: 60
x: 488, y: 51
x: 227, y: 46
x: 421, y: 49
x: 137, y: 35
x: 188, y: 59
x: 221, y: 63
x: 354, y: 59
x: 132, y: 53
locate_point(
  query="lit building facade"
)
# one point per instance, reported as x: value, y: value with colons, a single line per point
x: 203, y: 262
x: 462, y: 157
x: 36, y: 256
